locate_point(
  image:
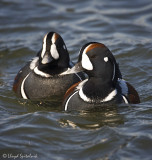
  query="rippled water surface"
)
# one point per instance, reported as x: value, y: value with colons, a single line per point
x: 42, y: 131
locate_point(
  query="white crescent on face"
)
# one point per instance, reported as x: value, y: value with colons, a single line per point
x: 86, y: 63
x: 54, y: 51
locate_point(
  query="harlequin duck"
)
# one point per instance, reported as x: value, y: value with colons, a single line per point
x: 104, y: 85
x: 45, y: 75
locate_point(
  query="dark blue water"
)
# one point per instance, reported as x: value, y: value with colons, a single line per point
x: 41, y: 131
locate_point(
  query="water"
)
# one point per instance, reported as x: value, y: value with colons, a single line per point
x: 41, y: 131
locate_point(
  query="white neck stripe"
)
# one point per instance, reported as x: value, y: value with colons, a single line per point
x: 83, y: 96
x: 106, y: 99
x: 82, y: 84
x: 110, y: 96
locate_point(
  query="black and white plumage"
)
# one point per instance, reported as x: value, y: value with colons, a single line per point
x: 104, y: 85
x: 45, y: 75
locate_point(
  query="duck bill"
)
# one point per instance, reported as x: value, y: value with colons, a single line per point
x: 75, y: 69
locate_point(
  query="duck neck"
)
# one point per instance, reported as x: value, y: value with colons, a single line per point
x: 52, y: 68
x: 97, y: 88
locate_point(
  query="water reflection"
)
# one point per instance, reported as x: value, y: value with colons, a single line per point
x: 93, y: 119
x: 52, y: 105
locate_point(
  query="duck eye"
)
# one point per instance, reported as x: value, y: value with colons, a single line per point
x: 106, y: 59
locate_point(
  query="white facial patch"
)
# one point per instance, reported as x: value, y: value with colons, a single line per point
x: 86, y: 63
x: 53, y: 49
x: 106, y: 59
x: 44, y: 46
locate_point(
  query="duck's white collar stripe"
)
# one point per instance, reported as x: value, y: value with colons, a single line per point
x: 108, y: 98
x: 81, y: 84
x: 40, y: 73
x: 22, y: 88
x: 83, y: 96
x: 66, y: 105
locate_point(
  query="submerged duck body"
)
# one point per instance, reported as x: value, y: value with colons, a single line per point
x: 105, y: 84
x: 44, y: 76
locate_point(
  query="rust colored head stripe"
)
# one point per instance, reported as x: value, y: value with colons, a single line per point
x: 56, y: 36
x: 94, y: 45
